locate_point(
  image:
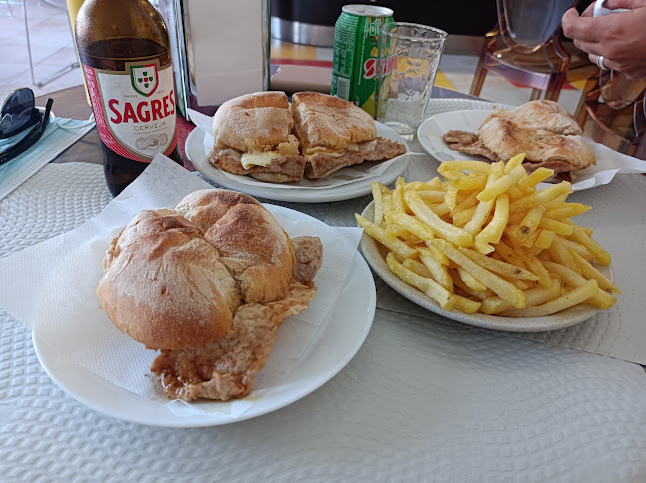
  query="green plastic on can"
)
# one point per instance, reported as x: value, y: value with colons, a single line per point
x: 354, y: 65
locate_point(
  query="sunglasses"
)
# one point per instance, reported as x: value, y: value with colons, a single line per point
x: 18, y: 113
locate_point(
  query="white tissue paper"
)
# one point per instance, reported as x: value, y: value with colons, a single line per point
x: 53, y: 291
x: 341, y: 177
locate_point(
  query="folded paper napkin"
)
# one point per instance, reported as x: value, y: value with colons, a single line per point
x: 54, y: 141
x: 50, y: 287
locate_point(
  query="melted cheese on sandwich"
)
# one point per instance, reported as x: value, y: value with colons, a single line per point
x: 258, y: 158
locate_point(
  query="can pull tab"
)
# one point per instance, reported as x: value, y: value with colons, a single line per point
x: 601, y: 9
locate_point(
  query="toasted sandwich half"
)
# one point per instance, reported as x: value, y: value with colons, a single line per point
x: 334, y: 133
x: 253, y: 136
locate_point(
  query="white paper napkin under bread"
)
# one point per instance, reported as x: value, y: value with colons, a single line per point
x: 54, y: 283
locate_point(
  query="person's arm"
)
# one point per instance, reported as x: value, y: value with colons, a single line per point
x: 620, y: 38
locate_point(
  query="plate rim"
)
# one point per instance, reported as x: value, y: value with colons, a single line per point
x: 359, y: 274
x: 339, y: 193
x: 369, y: 245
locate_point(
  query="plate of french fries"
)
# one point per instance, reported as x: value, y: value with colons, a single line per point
x: 486, y: 247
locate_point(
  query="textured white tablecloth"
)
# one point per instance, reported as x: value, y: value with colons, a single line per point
x: 422, y: 400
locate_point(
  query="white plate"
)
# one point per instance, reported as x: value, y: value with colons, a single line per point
x: 375, y: 255
x: 338, y: 340
x: 199, y: 157
x: 431, y: 130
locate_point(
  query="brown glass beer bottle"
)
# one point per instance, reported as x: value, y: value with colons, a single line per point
x: 124, y: 50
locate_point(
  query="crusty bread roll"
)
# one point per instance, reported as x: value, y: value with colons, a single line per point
x: 255, y: 122
x: 329, y: 122
x: 175, y: 278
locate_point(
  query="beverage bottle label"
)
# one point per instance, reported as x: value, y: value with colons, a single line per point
x: 135, y: 108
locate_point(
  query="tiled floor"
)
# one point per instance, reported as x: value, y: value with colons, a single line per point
x: 52, y: 49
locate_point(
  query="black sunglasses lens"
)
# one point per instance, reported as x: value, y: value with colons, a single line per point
x: 17, y: 111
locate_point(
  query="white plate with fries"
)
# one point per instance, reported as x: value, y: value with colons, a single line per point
x: 487, y: 249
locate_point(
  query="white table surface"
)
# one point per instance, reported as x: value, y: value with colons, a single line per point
x: 425, y: 399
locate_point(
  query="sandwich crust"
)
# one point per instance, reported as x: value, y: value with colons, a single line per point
x: 254, y: 122
x: 175, y: 278
x: 329, y: 122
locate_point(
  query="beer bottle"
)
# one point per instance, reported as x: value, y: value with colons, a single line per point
x: 124, y: 50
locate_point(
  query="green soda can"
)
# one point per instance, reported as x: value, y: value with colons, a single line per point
x: 354, y: 66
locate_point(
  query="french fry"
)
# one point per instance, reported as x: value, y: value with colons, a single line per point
x: 529, y: 223
x: 567, y: 210
x: 515, y: 162
x: 470, y: 281
x: 581, y: 237
x: 431, y: 288
x: 438, y: 271
x: 539, y: 175
x: 578, y: 249
x: 494, y: 229
x: 432, y: 196
x: 544, y: 239
x: 535, y: 296
x: 452, y: 233
x: 600, y: 299
x: 417, y: 267
x: 541, y: 197
x: 504, y: 289
x: 495, y: 266
x: 479, y: 166
x: 411, y: 224
x: 535, y: 266
x: 431, y: 251
x: 392, y: 243
x: 557, y: 227
x: 469, y: 202
x: 590, y: 272
x: 462, y: 218
x: 458, y: 282
x: 484, y: 207
x: 561, y: 254
x: 466, y: 305
x: 474, y: 181
x: 569, y: 299
x: 502, y: 184
x: 378, y: 203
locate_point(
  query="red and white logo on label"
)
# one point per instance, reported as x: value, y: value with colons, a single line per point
x: 370, y: 67
x: 144, y: 78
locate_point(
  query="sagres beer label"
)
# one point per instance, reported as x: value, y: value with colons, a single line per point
x: 136, y: 118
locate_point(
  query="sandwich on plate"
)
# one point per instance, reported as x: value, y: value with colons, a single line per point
x: 262, y: 136
x: 542, y: 129
x: 208, y: 284
x: 334, y: 133
x: 253, y: 136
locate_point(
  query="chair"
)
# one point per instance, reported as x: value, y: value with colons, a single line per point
x: 612, y: 111
x: 525, y: 47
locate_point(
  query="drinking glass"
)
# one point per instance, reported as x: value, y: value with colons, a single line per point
x: 406, y: 67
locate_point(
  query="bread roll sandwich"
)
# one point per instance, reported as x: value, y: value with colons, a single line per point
x: 542, y: 129
x: 334, y: 133
x: 253, y: 136
x: 208, y: 284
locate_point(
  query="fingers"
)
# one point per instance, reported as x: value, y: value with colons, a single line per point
x: 581, y: 28
x: 593, y: 48
x: 629, y: 4
x: 588, y: 12
x: 608, y: 64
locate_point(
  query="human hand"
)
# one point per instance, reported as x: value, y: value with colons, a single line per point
x: 620, y: 38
